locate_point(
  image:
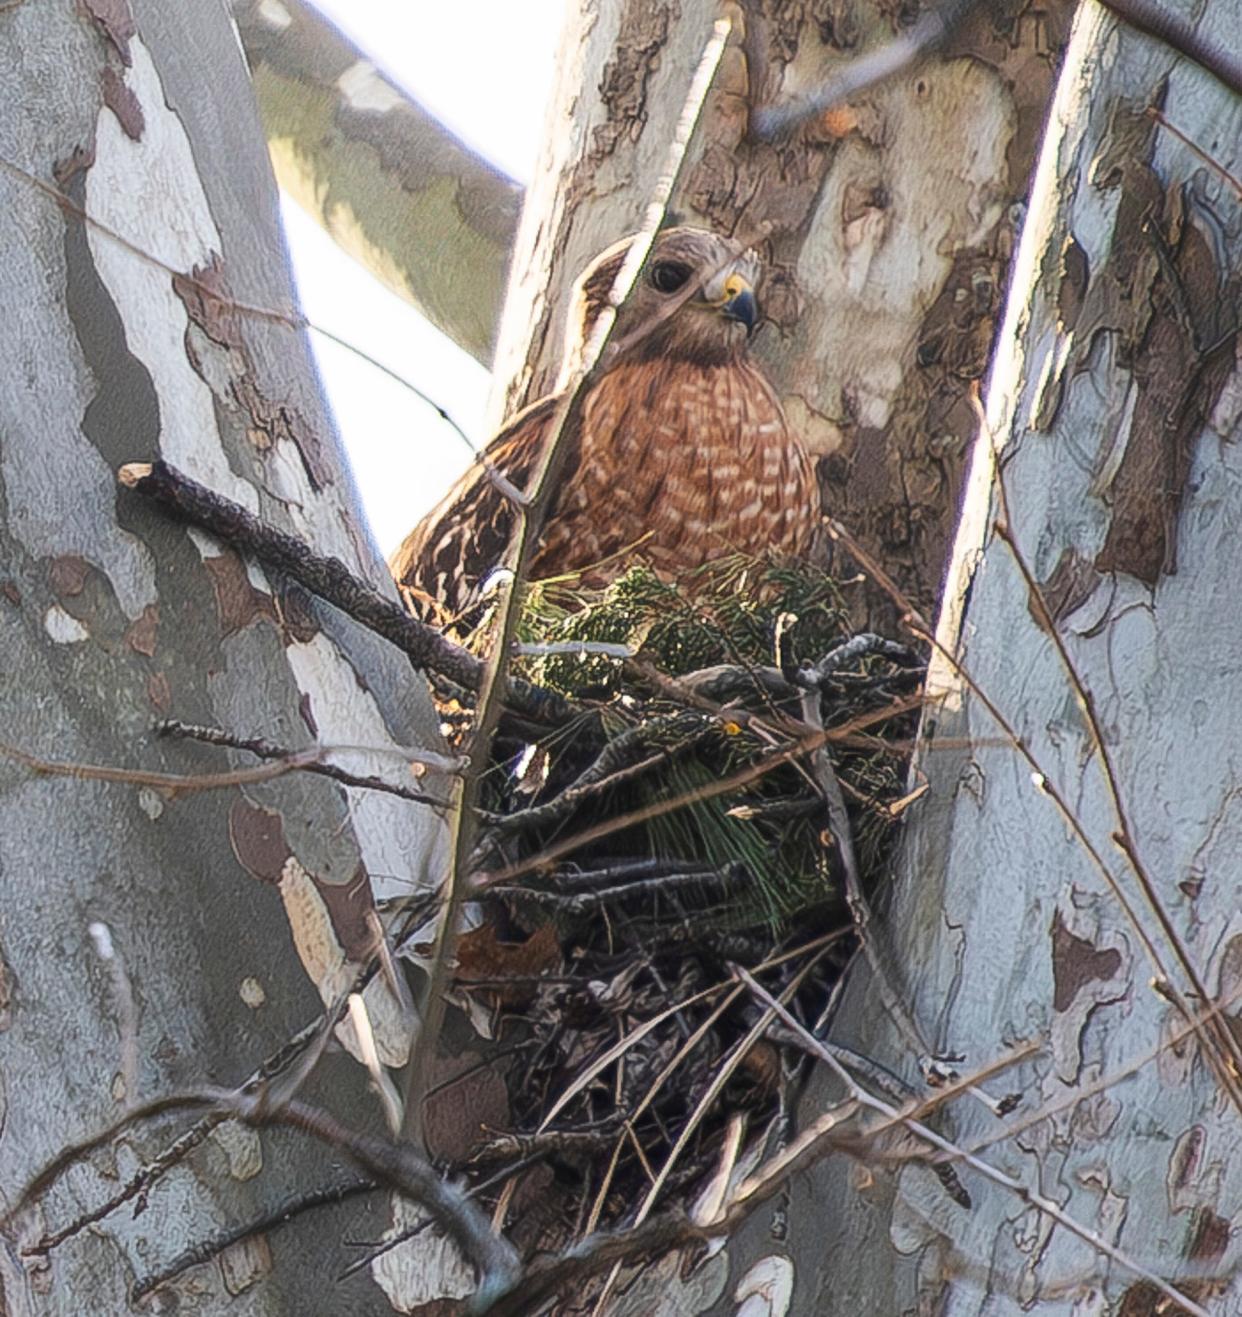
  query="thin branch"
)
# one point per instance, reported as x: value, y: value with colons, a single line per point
x: 303, y: 1048
x: 1225, y: 1045
x: 71, y: 1154
x: 294, y: 320
x: 592, y: 900
x: 1082, y: 1093
x: 752, y: 773
x: 282, y: 1215
x: 1209, y: 160
x: 397, y: 1165
x: 381, y: 1083
x: 856, y: 899
x: 933, y: 28
x: 328, y: 578
x: 263, y: 749
x: 929, y: 31
x: 529, y: 520
x: 172, y: 783
x: 1226, y: 1041
x: 411, y: 1231
x: 574, y: 648
x: 300, y: 321
x: 282, y: 762
x: 391, y: 1163
x: 723, y: 1073
x: 864, y: 645
x: 914, y: 621
x: 1027, y: 1195
x: 614, y: 764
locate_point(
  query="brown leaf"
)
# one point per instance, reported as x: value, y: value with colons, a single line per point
x: 480, y: 955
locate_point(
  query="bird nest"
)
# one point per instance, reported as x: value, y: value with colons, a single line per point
x: 735, y: 760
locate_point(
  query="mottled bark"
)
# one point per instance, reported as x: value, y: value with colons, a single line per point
x: 1116, y: 400
x: 413, y: 205
x: 235, y: 912
x: 890, y: 225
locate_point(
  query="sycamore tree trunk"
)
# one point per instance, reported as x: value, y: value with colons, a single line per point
x: 1114, y: 403
x: 887, y: 226
x: 231, y: 915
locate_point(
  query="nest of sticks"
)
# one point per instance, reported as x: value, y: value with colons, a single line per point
x: 689, y: 797
x: 735, y: 762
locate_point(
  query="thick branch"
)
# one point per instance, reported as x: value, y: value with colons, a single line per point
x: 328, y: 578
x: 414, y: 206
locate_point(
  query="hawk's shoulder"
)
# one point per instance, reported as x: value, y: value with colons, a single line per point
x: 442, y: 561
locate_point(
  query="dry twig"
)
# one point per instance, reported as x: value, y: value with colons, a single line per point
x: 328, y: 578
x: 529, y: 521
x: 1029, y: 1196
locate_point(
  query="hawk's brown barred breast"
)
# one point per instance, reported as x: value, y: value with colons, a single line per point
x: 682, y: 452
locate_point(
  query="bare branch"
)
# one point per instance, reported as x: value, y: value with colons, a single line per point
x: 752, y: 773
x: 1219, y: 1040
x: 1043, y: 783
x: 396, y: 1164
x: 328, y: 578
x: 73, y: 1153
x: 282, y: 1215
x: 264, y: 749
x: 291, y: 1062
x: 1012, y: 1183
x: 529, y: 520
x: 390, y: 1163
x: 172, y: 783
x: 291, y: 319
x: 929, y: 31
x: 933, y: 27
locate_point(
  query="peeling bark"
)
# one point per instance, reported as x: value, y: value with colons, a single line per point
x: 1000, y: 926
x: 890, y: 225
x: 112, y: 616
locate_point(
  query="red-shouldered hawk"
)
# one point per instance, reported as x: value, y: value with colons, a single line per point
x: 681, y: 452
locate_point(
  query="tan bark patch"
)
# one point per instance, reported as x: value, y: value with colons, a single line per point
x: 123, y: 103
x: 238, y: 603
x: 141, y: 634
x: 258, y: 840
x: 1076, y: 963
x: 116, y: 21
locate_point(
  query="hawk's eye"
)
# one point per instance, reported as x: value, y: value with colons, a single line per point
x: 669, y: 276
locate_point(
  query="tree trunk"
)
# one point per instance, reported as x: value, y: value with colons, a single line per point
x: 123, y: 343
x: 889, y: 227
x: 1115, y: 403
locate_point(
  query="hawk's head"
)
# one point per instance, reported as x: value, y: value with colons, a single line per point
x: 694, y: 299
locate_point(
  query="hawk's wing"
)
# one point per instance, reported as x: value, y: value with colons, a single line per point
x: 443, y: 560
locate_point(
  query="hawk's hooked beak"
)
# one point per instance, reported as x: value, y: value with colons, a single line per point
x: 739, y: 302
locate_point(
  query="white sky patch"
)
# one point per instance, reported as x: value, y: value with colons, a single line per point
x: 485, y: 68
x: 402, y: 454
